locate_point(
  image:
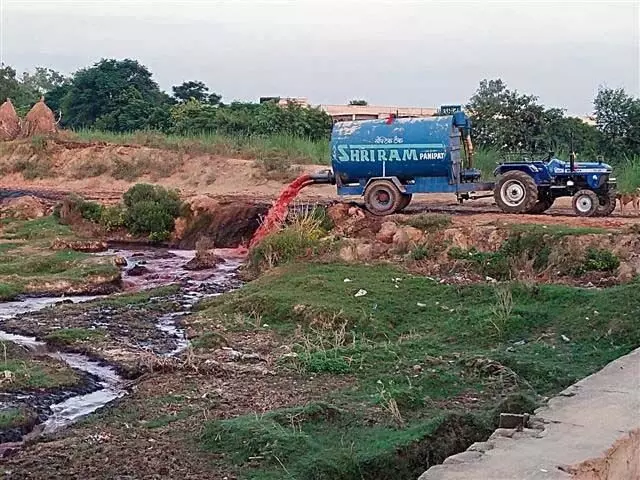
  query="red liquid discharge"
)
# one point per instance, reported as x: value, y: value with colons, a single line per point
x: 278, y: 212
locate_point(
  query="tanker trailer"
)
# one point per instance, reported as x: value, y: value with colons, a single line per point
x: 387, y: 161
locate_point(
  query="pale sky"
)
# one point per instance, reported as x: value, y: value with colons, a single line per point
x: 389, y: 52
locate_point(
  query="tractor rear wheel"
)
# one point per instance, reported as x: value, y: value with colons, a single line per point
x: 515, y: 192
x: 607, y: 203
x: 382, y: 197
x: 406, y: 200
x: 585, y: 203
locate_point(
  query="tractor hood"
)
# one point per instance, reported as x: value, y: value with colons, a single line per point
x: 559, y: 166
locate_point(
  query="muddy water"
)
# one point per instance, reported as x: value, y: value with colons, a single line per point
x: 144, y: 269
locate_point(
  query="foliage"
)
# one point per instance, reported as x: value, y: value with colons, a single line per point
x: 119, y: 95
x: 599, y: 260
x: 22, y: 96
x: 195, y: 90
x: 247, y: 119
x: 151, y: 210
x: 618, y: 117
x: 113, y: 218
x: 513, y: 122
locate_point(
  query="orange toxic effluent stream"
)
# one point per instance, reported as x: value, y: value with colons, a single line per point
x: 278, y: 212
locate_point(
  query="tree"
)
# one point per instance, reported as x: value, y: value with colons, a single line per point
x: 43, y: 80
x: 195, y: 90
x: 618, y: 119
x: 97, y: 92
x: 22, y: 96
x: 508, y: 120
x: 358, y: 102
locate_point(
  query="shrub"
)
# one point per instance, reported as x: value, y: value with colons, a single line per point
x: 281, y: 247
x: 599, y: 260
x: 112, y: 218
x: 151, y: 210
x: 74, y: 206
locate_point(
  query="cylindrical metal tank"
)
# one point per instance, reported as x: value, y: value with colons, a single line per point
x: 404, y: 147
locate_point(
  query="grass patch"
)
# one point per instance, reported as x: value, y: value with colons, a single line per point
x: 27, y: 373
x: 429, y: 222
x: 44, y: 228
x: 165, y: 420
x: 417, y: 354
x: 13, y: 418
x: 69, y: 336
x: 628, y: 174
x: 125, y: 299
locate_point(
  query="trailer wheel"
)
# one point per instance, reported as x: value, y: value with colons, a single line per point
x: 585, y: 203
x: 406, y: 200
x: 382, y: 197
x: 515, y: 192
x: 607, y: 203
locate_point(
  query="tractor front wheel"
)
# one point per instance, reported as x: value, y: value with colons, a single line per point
x: 382, y: 197
x: 515, y: 192
x: 607, y: 203
x: 586, y: 203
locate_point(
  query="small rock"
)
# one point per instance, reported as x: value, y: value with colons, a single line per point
x: 387, y: 232
x: 204, y: 259
x: 360, y: 293
x: 364, y: 251
x: 120, y: 261
x: 565, y: 338
x: 137, y: 271
x: 401, y: 241
x: 347, y: 280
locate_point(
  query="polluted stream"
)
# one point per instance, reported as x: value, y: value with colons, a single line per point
x: 101, y: 383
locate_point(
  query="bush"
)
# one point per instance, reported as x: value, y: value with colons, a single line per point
x: 599, y: 260
x: 74, y: 206
x: 113, y: 218
x: 151, y: 210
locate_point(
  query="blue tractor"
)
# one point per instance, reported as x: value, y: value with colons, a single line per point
x: 388, y: 161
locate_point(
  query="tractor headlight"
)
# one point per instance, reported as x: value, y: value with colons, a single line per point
x: 570, y: 183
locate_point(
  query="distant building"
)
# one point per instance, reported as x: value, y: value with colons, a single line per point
x: 340, y: 113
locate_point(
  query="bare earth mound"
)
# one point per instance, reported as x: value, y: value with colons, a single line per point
x: 9, y: 121
x: 39, y: 121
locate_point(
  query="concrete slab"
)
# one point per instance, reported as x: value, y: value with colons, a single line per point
x: 582, y: 422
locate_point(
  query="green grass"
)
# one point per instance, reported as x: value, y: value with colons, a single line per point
x: 290, y: 148
x: 28, y: 264
x: 28, y: 373
x: 68, y: 336
x: 457, y: 336
x: 13, y: 418
x: 429, y: 222
x: 555, y: 230
x: 127, y: 299
x: 38, y: 229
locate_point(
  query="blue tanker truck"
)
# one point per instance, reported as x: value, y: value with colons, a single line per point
x: 388, y: 161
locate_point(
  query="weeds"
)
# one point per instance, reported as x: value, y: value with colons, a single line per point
x: 599, y: 260
x: 429, y: 222
x: 502, y: 309
x: 389, y: 404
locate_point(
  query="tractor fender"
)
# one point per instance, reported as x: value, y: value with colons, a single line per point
x: 521, y: 167
x: 395, y: 181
